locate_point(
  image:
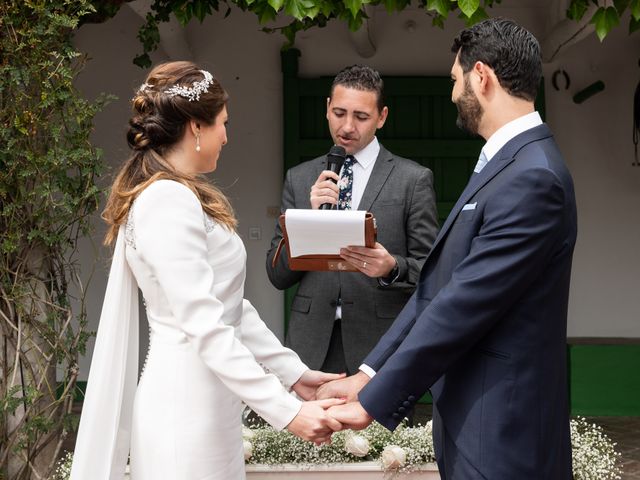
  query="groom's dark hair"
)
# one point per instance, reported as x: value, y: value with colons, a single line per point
x: 512, y: 52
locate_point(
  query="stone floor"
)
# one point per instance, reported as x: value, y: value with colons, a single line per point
x: 625, y: 432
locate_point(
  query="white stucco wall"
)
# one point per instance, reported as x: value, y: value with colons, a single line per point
x: 595, y: 137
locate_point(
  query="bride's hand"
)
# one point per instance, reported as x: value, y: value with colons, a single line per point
x: 310, y: 380
x: 313, y: 423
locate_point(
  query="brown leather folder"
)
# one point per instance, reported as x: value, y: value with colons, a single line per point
x: 329, y: 263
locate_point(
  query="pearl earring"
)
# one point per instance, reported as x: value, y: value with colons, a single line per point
x: 198, y: 142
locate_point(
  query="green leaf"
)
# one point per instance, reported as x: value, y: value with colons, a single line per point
x: 479, y: 15
x: 577, y: 9
x: 266, y: 14
x: 468, y: 7
x: 605, y: 19
x: 355, y: 23
x: 438, y: 21
x: 395, y: 5
x: 620, y: 5
x: 313, y: 12
x: 290, y: 34
x: 353, y: 6
x: 440, y: 6
x: 276, y: 4
x: 202, y: 8
x: 635, y: 9
x: 634, y: 25
x: 295, y: 9
x: 326, y: 8
x: 143, y: 60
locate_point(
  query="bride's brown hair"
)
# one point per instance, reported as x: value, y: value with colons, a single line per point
x: 158, y: 122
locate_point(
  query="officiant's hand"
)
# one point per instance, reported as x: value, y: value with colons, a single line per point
x: 308, y: 383
x: 374, y: 262
x: 325, y: 190
x: 313, y: 423
x: 346, y: 388
x: 351, y: 415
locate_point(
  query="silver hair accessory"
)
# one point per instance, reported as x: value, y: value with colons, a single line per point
x: 192, y: 93
x: 144, y: 87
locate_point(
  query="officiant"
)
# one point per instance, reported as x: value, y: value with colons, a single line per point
x: 337, y: 317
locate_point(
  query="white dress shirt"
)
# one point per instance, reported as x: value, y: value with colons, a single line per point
x: 362, y: 168
x: 365, y: 159
x: 508, y: 131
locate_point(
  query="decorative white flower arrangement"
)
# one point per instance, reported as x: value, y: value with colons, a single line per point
x: 401, y: 450
x: 594, y: 455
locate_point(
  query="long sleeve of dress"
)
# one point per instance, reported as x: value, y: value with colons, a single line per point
x: 172, y: 241
x: 267, y: 349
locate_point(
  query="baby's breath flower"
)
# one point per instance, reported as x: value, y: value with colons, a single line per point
x: 594, y: 455
x: 63, y: 470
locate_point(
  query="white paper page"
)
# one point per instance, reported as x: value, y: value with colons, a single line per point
x: 323, y: 232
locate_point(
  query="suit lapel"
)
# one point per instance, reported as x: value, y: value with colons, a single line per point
x: 504, y: 157
x: 320, y: 165
x: 381, y: 170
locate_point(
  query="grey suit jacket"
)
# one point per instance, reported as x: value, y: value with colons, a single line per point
x: 400, y: 195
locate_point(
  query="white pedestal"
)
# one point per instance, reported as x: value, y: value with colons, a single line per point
x: 336, y: 471
x: 340, y: 471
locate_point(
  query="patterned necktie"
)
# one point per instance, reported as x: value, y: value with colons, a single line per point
x: 482, y: 161
x: 345, y: 184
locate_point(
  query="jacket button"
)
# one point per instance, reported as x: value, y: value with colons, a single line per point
x: 411, y: 398
x: 406, y: 404
x: 401, y: 409
x: 396, y: 415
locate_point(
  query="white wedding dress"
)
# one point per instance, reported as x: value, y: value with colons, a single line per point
x: 209, y: 350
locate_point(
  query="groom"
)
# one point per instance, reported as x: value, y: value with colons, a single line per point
x: 486, y: 329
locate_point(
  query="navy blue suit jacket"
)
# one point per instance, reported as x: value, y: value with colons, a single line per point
x: 486, y: 327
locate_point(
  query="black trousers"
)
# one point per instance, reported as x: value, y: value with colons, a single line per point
x: 334, y: 362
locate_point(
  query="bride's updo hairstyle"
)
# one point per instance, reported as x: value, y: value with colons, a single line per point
x: 173, y: 94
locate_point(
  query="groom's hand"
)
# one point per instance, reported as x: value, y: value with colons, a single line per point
x: 347, y: 388
x: 308, y: 383
x: 313, y: 423
x: 351, y: 415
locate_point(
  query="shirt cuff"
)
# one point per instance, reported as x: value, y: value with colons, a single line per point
x: 367, y: 370
x: 393, y: 276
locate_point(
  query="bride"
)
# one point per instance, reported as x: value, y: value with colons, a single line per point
x: 209, y: 350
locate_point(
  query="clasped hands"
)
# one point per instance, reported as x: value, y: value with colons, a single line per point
x: 330, y: 405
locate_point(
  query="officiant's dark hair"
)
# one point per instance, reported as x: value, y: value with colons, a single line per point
x: 162, y: 107
x: 361, y: 77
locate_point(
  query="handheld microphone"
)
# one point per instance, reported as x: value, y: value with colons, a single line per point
x: 335, y: 159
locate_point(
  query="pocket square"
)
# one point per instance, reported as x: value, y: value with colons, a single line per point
x: 470, y: 206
